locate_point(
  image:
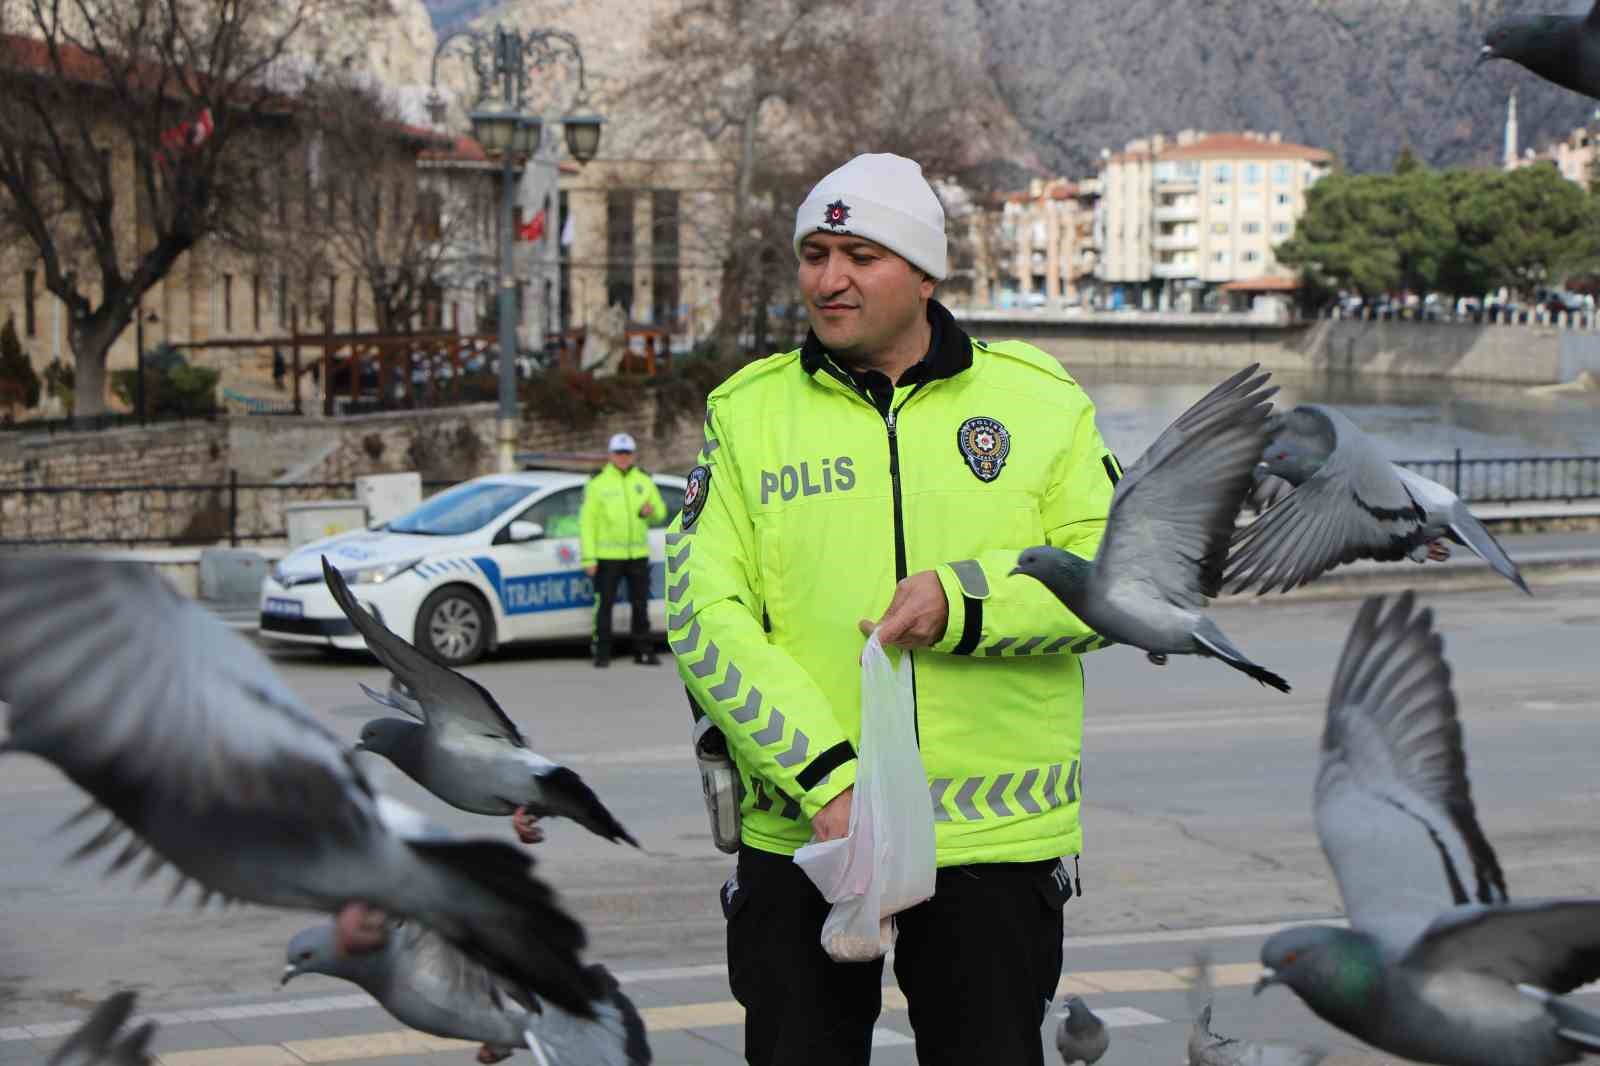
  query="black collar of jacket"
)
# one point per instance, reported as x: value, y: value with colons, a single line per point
x: 950, y: 355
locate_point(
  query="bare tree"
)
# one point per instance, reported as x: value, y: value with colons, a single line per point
x: 133, y: 130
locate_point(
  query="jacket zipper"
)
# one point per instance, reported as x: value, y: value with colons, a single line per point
x: 900, y: 567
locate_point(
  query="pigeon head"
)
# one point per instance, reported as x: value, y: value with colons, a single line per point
x: 1525, y: 39
x: 1336, y: 971
x: 1081, y: 1037
x: 313, y: 951
x: 1063, y: 573
x: 1301, y: 442
x: 1079, y: 1020
x: 394, y: 738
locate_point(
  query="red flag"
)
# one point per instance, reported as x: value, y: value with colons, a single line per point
x: 188, y: 135
x: 533, y: 229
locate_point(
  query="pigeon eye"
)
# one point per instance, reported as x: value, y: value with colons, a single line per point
x: 1288, y: 959
x: 305, y: 956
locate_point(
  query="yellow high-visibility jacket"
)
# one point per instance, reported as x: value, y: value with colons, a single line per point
x: 810, y: 503
x: 609, y: 523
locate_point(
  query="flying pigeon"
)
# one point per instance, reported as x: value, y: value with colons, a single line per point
x: 1166, y: 539
x: 99, y: 1041
x: 1211, y: 1049
x: 429, y: 985
x: 1437, y: 965
x: 465, y: 750
x: 179, y: 729
x: 1564, y: 49
x: 1081, y: 1036
x: 1348, y: 503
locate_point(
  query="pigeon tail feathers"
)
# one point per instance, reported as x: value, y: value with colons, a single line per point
x: 1470, y: 532
x: 1211, y: 638
x: 569, y: 797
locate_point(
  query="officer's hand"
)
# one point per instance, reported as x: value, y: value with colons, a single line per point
x: 647, y: 510
x: 833, y: 821
x: 591, y: 570
x: 916, y: 616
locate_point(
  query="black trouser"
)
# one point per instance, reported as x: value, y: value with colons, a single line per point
x: 978, y: 963
x: 607, y: 573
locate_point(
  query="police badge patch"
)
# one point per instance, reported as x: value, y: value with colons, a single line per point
x: 836, y: 215
x: 695, y: 492
x: 984, y: 444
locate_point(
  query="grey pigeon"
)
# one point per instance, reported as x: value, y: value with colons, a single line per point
x: 1348, y: 503
x: 1166, y: 539
x: 1081, y: 1036
x: 1437, y: 965
x: 465, y: 750
x: 399, y: 697
x: 1564, y: 49
x: 429, y: 985
x: 99, y: 1041
x: 1211, y: 1049
x: 200, y: 754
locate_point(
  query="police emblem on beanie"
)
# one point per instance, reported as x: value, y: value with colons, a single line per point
x: 836, y: 214
x: 984, y: 444
x: 695, y: 490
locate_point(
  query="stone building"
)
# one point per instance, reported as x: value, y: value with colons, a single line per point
x: 1041, y: 250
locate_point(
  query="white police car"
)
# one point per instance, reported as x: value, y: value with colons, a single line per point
x: 484, y: 563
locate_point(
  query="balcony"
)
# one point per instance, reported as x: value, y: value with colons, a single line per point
x: 1170, y: 242
x: 1178, y: 182
x: 1177, y: 212
x: 1175, y: 270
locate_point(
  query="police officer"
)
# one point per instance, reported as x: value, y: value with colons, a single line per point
x: 888, y: 473
x: 620, y: 503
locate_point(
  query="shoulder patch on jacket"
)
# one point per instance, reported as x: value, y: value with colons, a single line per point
x: 1026, y: 354
x: 752, y: 372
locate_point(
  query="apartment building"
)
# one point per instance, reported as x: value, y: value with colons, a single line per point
x: 1574, y: 156
x: 1038, y: 250
x: 1179, y: 218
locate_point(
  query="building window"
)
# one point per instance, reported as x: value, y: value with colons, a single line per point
x: 1283, y: 199
x: 227, y: 301
x: 1252, y: 173
x: 1250, y: 196
x: 1252, y: 257
x: 430, y: 211
x: 1281, y: 228
x: 1219, y: 257
x: 1282, y: 174
x: 1219, y: 199
x: 1165, y: 171
x: 619, y: 248
x: 255, y: 302
x: 1222, y: 172
x: 665, y: 282
x: 30, y: 310
x: 1250, y: 227
x: 1219, y: 228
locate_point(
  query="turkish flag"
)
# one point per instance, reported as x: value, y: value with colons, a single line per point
x: 533, y: 229
x: 188, y: 135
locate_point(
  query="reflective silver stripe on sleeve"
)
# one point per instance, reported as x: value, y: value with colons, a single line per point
x: 729, y: 687
x: 1025, y: 793
x: 964, y: 804
x: 752, y: 706
x: 676, y: 592
x: 677, y: 562
x: 972, y: 578
x: 999, y: 646
x: 936, y: 789
x: 797, y: 751
x: 1056, y: 645
x: 997, y: 796
x: 689, y: 642
x: 674, y: 539
x: 773, y: 731
x: 1052, y: 798
x: 707, y: 666
x: 710, y: 446
x: 683, y: 617
x: 1072, y: 782
x: 1027, y: 646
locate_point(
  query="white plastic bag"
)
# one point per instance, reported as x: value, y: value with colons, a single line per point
x: 886, y: 864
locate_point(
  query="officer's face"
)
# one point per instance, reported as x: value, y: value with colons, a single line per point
x: 622, y: 460
x: 861, y: 297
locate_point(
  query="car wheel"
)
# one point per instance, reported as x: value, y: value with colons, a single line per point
x: 453, y: 626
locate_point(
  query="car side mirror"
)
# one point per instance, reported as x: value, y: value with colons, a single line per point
x: 520, y: 532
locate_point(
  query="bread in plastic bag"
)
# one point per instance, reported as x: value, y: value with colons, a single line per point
x: 886, y: 863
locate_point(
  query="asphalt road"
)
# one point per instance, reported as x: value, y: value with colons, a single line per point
x: 1197, y: 818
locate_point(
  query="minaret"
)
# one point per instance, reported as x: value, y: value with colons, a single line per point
x: 1510, y: 160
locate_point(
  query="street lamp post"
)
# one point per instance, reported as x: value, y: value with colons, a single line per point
x: 138, y: 345
x: 501, y: 123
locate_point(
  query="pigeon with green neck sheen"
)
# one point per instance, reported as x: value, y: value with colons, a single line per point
x: 1166, y: 538
x: 1438, y: 964
x: 1564, y: 49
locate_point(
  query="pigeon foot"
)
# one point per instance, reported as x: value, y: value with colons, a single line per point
x: 489, y: 1053
x: 1159, y: 658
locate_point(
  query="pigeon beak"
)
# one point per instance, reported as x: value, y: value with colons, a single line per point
x: 290, y: 972
x: 1485, y: 54
x: 1014, y: 570
x: 1268, y: 978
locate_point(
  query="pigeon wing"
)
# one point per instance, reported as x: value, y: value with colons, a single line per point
x: 1353, y: 507
x: 156, y: 709
x: 1393, y: 807
x: 435, y: 961
x: 95, y: 1043
x: 1174, y: 510
x: 447, y: 698
x: 1551, y: 944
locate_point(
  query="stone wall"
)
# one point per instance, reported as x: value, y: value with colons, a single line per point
x: 277, y: 461
x: 1520, y: 353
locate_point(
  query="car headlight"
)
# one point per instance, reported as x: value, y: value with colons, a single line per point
x: 377, y: 575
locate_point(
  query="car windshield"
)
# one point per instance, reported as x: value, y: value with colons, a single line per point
x: 461, y: 509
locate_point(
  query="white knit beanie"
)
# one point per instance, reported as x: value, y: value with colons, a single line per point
x: 883, y: 198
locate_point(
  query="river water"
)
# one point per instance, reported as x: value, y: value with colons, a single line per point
x: 1412, y: 419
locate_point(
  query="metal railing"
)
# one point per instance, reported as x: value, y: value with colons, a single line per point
x: 167, y: 515
x: 1514, y: 479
